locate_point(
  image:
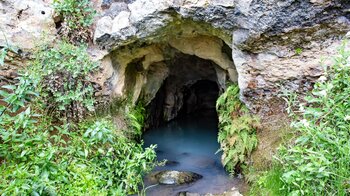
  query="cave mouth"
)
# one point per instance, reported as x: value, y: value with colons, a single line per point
x: 182, y: 121
x: 200, y: 98
x: 191, y: 87
x: 188, y: 139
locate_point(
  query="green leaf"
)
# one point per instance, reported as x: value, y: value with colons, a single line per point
x: 4, y: 93
x: 9, y: 87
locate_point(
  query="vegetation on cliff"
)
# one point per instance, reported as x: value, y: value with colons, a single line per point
x: 317, y: 161
x: 51, y: 143
x: 237, y: 129
x: 77, y: 17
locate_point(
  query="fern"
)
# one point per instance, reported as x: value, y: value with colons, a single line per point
x: 237, y: 129
x: 137, y: 118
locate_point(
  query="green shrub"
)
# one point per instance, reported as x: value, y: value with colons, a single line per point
x: 298, y: 51
x: 318, y: 160
x: 63, y: 72
x: 78, y: 16
x: 40, y: 155
x: 94, y: 158
x: 237, y: 129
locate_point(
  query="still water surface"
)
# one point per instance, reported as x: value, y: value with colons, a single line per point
x: 189, y: 144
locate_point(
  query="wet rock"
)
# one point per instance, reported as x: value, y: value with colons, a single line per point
x: 177, y: 177
x: 106, y: 4
x: 188, y: 194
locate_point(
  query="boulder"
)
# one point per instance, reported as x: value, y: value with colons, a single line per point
x: 176, y: 177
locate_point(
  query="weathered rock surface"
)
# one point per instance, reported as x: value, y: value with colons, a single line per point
x: 264, y: 45
x: 142, y: 19
x: 274, y: 44
x: 176, y: 177
x: 24, y: 23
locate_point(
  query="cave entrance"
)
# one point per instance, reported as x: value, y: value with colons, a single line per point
x: 185, y: 127
x: 192, y: 86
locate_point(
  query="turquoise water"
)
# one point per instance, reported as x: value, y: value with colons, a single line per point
x: 189, y: 144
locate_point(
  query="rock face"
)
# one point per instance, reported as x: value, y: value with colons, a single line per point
x: 264, y: 45
x: 273, y: 45
x: 176, y: 177
x: 25, y: 22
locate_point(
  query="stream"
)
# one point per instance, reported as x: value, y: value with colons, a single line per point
x: 189, y: 143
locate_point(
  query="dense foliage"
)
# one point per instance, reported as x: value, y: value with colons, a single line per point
x: 318, y: 160
x: 77, y: 18
x: 63, y: 72
x: 41, y: 154
x: 237, y: 129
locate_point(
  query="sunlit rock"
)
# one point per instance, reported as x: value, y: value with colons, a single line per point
x: 24, y: 23
x: 176, y: 177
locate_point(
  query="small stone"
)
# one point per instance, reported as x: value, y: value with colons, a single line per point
x: 106, y: 4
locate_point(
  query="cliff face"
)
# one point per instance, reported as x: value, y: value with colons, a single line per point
x: 22, y: 26
x: 275, y: 45
x: 264, y: 45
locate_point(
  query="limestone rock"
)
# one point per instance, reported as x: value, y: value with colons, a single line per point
x: 141, y: 19
x: 25, y: 23
x: 263, y: 35
x: 206, y: 48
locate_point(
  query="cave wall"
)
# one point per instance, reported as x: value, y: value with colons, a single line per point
x: 152, y: 63
x: 275, y: 45
x: 139, y: 72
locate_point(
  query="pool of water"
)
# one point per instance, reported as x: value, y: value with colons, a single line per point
x: 190, y: 144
